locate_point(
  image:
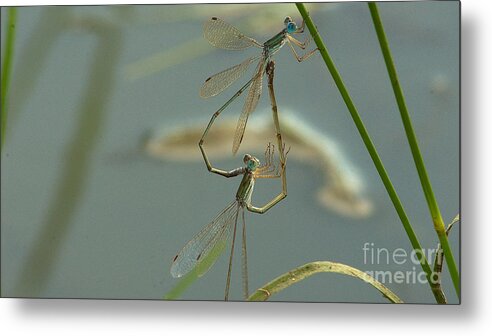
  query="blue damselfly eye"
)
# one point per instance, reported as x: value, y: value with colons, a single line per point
x: 253, y: 164
x: 291, y: 27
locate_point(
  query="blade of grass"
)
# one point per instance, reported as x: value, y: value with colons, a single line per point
x: 7, y: 68
x: 31, y: 59
x: 181, y: 286
x: 300, y: 273
x: 370, y: 148
x: 412, y: 141
x: 45, y: 251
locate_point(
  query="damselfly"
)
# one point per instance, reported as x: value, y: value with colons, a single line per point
x: 202, y: 251
x: 223, y: 35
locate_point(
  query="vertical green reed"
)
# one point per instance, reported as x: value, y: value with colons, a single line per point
x: 370, y: 148
x: 412, y: 141
x: 7, y: 69
x: 42, y: 258
x: 32, y: 58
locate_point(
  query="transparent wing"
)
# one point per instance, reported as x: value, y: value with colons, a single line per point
x: 222, y: 35
x: 212, y: 238
x: 249, y: 106
x: 222, y: 80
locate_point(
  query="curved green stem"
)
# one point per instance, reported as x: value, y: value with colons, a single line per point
x: 417, y: 156
x: 300, y: 273
x: 370, y: 147
x: 7, y: 68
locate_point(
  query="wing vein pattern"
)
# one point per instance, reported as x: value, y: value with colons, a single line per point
x: 222, y: 35
x: 199, y: 247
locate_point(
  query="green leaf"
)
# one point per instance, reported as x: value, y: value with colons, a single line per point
x: 300, y: 273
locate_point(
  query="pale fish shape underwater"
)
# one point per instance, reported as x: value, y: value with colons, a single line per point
x: 342, y: 190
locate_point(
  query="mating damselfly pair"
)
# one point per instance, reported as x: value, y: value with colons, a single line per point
x: 202, y: 251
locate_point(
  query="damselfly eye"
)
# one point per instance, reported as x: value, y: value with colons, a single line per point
x: 252, y: 164
x: 291, y: 27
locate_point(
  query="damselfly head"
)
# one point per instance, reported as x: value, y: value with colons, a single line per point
x: 251, y: 162
x: 290, y: 25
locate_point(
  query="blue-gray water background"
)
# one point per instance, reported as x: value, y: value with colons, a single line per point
x: 110, y: 228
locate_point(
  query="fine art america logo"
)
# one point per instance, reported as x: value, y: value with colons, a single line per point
x: 383, y: 256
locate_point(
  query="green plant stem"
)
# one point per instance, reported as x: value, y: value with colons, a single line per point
x: 300, y: 273
x: 370, y: 147
x: 417, y: 156
x: 45, y: 251
x: 7, y: 68
x: 438, y: 259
